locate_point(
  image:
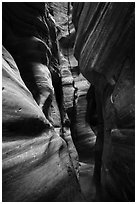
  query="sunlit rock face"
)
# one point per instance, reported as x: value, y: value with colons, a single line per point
x: 85, y: 137
x: 62, y: 12
x: 104, y: 48
x: 75, y: 86
x: 38, y: 165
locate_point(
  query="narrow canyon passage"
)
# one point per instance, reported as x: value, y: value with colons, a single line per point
x: 82, y: 135
x: 68, y: 102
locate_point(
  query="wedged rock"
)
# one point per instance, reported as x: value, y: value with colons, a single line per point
x: 67, y: 82
x: 37, y: 164
x: 66, y: 75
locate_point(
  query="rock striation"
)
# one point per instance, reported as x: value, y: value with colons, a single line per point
x: 105, y: 50
x: 40, y: 163
x: 75, y: 86
x: 47, y: 102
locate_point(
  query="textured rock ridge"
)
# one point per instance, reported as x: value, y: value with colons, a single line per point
x: 105, y: 50
x: 47, y: 102
x: 75, y: 86
x: 38, y: 164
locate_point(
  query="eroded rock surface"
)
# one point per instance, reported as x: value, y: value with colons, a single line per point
x: 104, y: 48
x: 84, y: 136
x: 47, y: 102
x: 39, y: 162
x: 75, y: 86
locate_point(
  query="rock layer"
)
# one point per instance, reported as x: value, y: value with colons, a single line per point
x: 75, y: 86
x: 38, y: 165
x: 104, y: 48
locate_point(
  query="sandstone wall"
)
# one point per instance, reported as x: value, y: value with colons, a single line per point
x: 75, y: 86
x: 104, y: 48
x: 39, y: 162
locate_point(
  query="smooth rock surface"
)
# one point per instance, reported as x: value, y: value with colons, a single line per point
x: 105, y: 50
x: 36, y: 160
x: 38, y: 165
x: 75, y: 86
x: 85, y: 137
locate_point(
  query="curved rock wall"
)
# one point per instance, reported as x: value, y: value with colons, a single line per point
x: 38, y: 165
x: 104, y: 48
x: 75, y: 86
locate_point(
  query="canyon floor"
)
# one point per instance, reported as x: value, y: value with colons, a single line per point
x: 86, y: 180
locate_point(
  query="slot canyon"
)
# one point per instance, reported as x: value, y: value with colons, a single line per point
x: 68, y: 101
